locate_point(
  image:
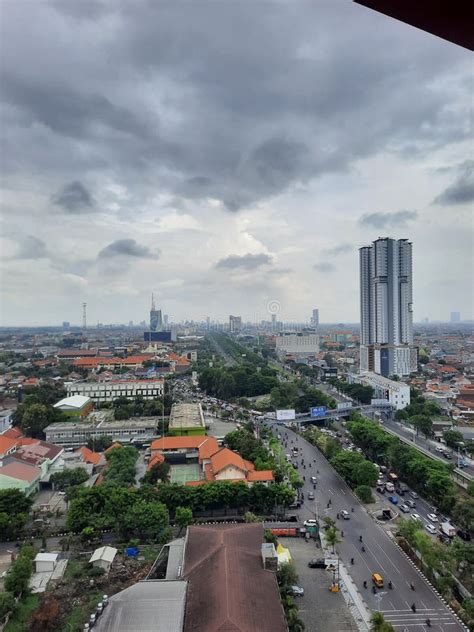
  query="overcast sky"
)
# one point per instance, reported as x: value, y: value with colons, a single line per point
x: 231, y: 157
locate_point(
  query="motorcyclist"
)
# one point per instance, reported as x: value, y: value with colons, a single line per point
x: 352, y: 560
x: 360, y: 538
x: 374, y: 590
x: 352, y: 509
x: 390, y: 585
x: 363, y: 549
x: 413, y: 607
x: 412, y: 585
x: 365, y: 583
x: 428, y: 622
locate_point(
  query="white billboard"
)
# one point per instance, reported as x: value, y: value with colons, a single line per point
x: 344, y: 406
x: 285, y: 415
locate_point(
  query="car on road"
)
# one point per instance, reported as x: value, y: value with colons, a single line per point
x: 310, y: 495
x: 464, y: 535
x: 415, y: 516
x: 297, y: 591
x: 317, y: 563
x: 405, y: 508
x: 310, y: 523
x: 439, y: 448
x: 393, y: 499
x: 430, y: 528
x: 377, y: 580
x: 413, y: 494
x: 432, y: 517
x: 314, y: 480
x: 411, y: 503
x: 381, y: 489
x: 345, y: 515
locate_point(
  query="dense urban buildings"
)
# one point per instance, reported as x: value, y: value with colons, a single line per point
x: 299, y: 344
x: 235, y: 324
x: 386, y: 305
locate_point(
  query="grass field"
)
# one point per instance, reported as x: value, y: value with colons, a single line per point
x: 182, y: 473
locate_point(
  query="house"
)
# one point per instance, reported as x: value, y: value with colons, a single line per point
x: 45, y: 562
x: 88, y: 456
x: 7, y: 445
x: 227, y: 465
x: 17, y: 475
x: 103, y: 557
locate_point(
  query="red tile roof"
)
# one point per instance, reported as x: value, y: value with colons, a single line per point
x: 261, y: 475
x: 90, y: 456
x: 157, y: 458
x: 114, y: 445
x: 12, y: 433
x: 6, y: 444
x: 225, y: 458
x: 205, y: 445
x: 21, y: 471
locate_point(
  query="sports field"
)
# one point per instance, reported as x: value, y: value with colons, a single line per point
x: 183, y: 473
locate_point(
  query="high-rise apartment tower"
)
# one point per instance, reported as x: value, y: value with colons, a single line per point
x: 386, y: 308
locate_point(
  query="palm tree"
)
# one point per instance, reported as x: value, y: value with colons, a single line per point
x: 332, y: 537
x: 378, y: 623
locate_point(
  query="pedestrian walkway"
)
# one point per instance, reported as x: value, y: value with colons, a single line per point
x: 406, y: 619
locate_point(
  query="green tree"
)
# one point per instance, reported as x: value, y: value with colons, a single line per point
x: 453, y: 438
x: 18, y: 578
x: 158, y: 472
x: 422, y: 423
x: 99, y: 444
x: 463, y: 513
x: 7, y: 604
x: 69, y: 478
x: 366, y: 474
x: 378, y: 623
x: 408, y: 529
x: 183, y: 517
x: 13, y: 501
x: 364, y: 492
x: 287, y: 576
x: 148, y: 520
x: 35, y: 420
x: 332, y: 537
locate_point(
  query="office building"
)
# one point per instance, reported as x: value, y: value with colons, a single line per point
x: 396, y: 393
x: 315, y: 319
x: 74, y: 434
x: 235, y: 324
x: 300, y: 344
x: 109, y: 390
x: 386, y: 307
x: 187, y: 419
x: 455, y: 317
x: 156, y: 321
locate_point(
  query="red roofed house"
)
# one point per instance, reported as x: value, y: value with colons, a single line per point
x: 95, y: 458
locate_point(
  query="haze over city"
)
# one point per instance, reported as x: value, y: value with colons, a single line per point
x: 224, y: 156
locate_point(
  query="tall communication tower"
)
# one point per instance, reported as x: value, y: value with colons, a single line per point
x: 84, y: 316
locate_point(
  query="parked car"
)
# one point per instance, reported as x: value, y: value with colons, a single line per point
x: 464, y: 535
x: 310, y: 523
x: 415, y: 516
x: 317, y: 563
x: 429, y: 527
x: 405, y: 508
x: 432, y: 517
x: 297, y: 591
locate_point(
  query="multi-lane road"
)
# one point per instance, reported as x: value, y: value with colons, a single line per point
x: 381, y: 554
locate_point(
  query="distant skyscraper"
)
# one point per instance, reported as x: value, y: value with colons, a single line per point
x: 455, y: 317
x: 165, y: 319
x: 274, y: 322
x: 66, y: 324
x: 315, y: 319
x: 386, y: 308
x: 156, y: 322
x: 208, y: 323
x: 235, y: 324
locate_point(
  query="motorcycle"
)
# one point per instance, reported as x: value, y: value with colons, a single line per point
x: 390, y: 585
x: 365, y: 584
x: 413, y: 607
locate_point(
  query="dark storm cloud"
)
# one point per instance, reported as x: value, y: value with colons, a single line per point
x: 126, y: 248
x: 74, y: 198
x: 246, y: 262
x: 256, y: 109
x: 398, y: 219
x: 341, y: 249
x: 324, y: 267
x: 462, y: 189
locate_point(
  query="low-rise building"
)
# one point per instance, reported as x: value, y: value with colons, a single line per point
x: 297, y: 344
x: 110, y: 390
x: 74, y: 434
x: 187, y: 419
x: 103, y: 557
x: 75, y: 406
x: 16, y: 475
x: 396, y: 393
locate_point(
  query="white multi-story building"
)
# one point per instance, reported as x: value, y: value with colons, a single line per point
x: 397, y: 393
x: 109, y: 390
x: 386, y: 308
x: 235, y: 324
x: 298, y: 344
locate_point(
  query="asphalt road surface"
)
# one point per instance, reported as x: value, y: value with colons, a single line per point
x: 381, y: 554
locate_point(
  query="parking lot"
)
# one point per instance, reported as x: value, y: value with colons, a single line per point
x: 320, y: 609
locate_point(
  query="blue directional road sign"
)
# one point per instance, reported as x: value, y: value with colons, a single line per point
x: 319, y: 411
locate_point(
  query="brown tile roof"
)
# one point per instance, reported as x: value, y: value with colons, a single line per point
x: 261, y: 475
x: 6, y: 444
x: 229, y: 590
x: 225, y: 457
x: 157, y: 458
x: 205, y: 445
x: 12, y: 433
x: 21, y: 471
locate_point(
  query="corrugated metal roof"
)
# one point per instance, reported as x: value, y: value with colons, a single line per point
x: 106, y: 553
x: 148, y: 606
x: 75, y: 401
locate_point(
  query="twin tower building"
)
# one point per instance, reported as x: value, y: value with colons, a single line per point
x: 386, y: 308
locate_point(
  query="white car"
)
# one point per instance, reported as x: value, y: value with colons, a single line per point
x: 432, y: 517
x: 310, y: 523
x: 415, y: 516
x: 430, y: 528
x: 405, y: 508
x: 297, y: 591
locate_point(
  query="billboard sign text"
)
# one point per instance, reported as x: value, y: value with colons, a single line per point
x: 285, y: 415
x: 318, y: 411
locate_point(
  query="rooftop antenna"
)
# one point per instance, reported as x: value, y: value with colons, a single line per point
x: 84, y: 316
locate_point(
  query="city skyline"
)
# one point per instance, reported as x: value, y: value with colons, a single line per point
x: 233, y: 177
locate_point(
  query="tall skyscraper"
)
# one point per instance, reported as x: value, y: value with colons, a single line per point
x: 235, y: 324
x: 455, y: 317
x: 315, y: 319
x: 156, y: 322
x: 386, y: 308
